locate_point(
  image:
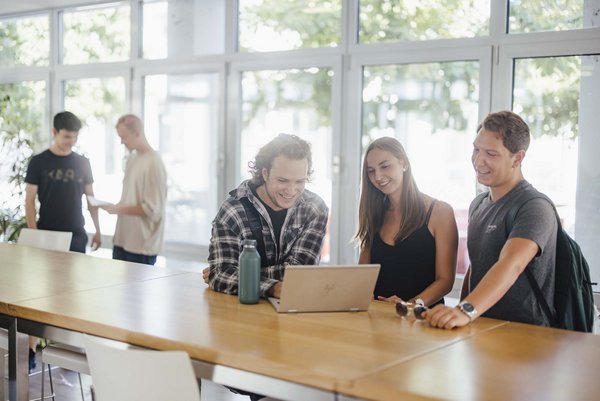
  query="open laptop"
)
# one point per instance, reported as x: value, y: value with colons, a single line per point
x: 333, y: 288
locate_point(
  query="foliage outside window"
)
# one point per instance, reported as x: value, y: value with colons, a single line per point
x: 294, y: 102
x: 432, y: 110
x: 97, y: 35
x: 182, y: 28
x: 547, y: 93
x: 405, y: 20
x: 22, y: 115
x: 270, y: 25
x: 24, y: 41
x: 534, y: 16
x: 99, y: 102
x: 181, y: 120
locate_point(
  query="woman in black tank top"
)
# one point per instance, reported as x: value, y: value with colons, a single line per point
x: 411, y: 235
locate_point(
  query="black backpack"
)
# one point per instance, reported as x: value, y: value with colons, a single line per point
x: 573, y: 295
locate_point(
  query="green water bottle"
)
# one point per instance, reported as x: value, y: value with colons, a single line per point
x: 249, y: 277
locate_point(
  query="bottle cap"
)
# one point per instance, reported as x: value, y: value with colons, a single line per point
x: 249, y: 242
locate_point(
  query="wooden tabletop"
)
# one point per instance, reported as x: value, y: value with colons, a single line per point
x: 180, y: 312
x: 29, y: 273
x: 512, y: 362
x: 374, y: 355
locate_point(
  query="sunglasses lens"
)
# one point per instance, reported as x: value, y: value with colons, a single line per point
x: 401, y: 309
x: 418, y: 311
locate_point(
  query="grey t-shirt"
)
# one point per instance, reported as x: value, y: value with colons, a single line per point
x: 487, y: 235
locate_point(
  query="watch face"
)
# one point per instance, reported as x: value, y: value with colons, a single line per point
x: 467, y: 307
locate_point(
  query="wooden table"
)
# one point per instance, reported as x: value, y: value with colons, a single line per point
x: 373, y: 355
x: 512, y: 362
x: 317, y: 351
x: 29, y: 273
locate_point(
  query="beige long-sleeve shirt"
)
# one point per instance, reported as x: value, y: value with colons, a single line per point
x: 145, y: 184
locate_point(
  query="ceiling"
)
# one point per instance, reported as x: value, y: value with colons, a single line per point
x: 20, y: 6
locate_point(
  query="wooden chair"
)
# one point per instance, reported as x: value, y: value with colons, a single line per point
x: 120, y: 373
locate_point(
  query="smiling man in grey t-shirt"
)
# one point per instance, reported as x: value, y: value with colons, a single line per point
x: 494, y: 286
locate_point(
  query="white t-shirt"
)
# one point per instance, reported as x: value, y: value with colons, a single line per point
x: 145, y: 184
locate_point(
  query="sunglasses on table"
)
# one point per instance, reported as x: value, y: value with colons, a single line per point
x: 404, y: 308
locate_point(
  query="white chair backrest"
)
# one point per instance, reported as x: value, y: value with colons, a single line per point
x: 3, y: 344
x: 131, y: 374
x: 52, y: 240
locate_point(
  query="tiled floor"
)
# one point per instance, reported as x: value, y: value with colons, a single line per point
x: 66, y: 386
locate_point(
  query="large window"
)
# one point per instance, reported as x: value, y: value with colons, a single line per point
x: 98, y: 102
x: 183, y: 28
x: 181, y: 119
x: 23, y: 131
x: 99, y: 34
x: 24, y: 41
x: 269, y: 25
x: 214, y: 80
x: 532, y: 16
x: 548, y: 93
x: 392, y: 20
x: 295, y: 102
x: 432, y: 110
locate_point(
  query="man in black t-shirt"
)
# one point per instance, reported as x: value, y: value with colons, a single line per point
x: 59, y: 177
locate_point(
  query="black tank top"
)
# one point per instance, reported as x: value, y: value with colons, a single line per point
x: 408, y: 267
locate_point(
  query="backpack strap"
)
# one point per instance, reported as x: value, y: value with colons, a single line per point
x: 508, y: 225
x: 256, y: 228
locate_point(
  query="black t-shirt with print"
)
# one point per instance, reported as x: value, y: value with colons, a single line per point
x: 61, y: 181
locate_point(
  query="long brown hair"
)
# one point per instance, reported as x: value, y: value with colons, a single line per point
x: 374, y: 203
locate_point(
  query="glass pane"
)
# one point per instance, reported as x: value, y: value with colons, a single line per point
x: 547, y: 94
x: 97, y: 35
x: 269, y: 25
x: 392, y: 20
x: 183, y: 28
x: 293, y: 102
x: 99, y: 102
x: 181, y: 119
x: 533, y: 16
x: 432, y: 110
x: 24, y: 41
x: 23, y: 131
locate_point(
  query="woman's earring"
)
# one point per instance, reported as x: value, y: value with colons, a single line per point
x: 404, y: 169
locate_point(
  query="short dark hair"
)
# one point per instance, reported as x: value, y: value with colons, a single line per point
x: 68, y: 121
x: 287, y: 145
x: 513, y: 130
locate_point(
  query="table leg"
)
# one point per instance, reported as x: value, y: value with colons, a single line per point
x: 18, y: 364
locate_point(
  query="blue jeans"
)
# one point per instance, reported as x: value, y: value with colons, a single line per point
x: 121, y: 254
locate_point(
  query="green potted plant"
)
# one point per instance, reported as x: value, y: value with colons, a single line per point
x: 16, y: 149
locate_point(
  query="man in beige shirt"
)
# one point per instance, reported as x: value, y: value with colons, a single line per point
x: 141, y: 210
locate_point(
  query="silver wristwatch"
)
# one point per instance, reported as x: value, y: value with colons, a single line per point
x: 468, y: 309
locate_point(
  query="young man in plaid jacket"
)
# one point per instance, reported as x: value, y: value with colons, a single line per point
x: 293, y: 220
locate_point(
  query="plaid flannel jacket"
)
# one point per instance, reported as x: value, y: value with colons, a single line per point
x: 302, y: 238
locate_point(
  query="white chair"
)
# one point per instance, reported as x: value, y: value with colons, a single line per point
x: 3, y: 347
x: 124, y: 374
x: 67, y: 357
x: 55, y: 354
x: 45, y: 239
